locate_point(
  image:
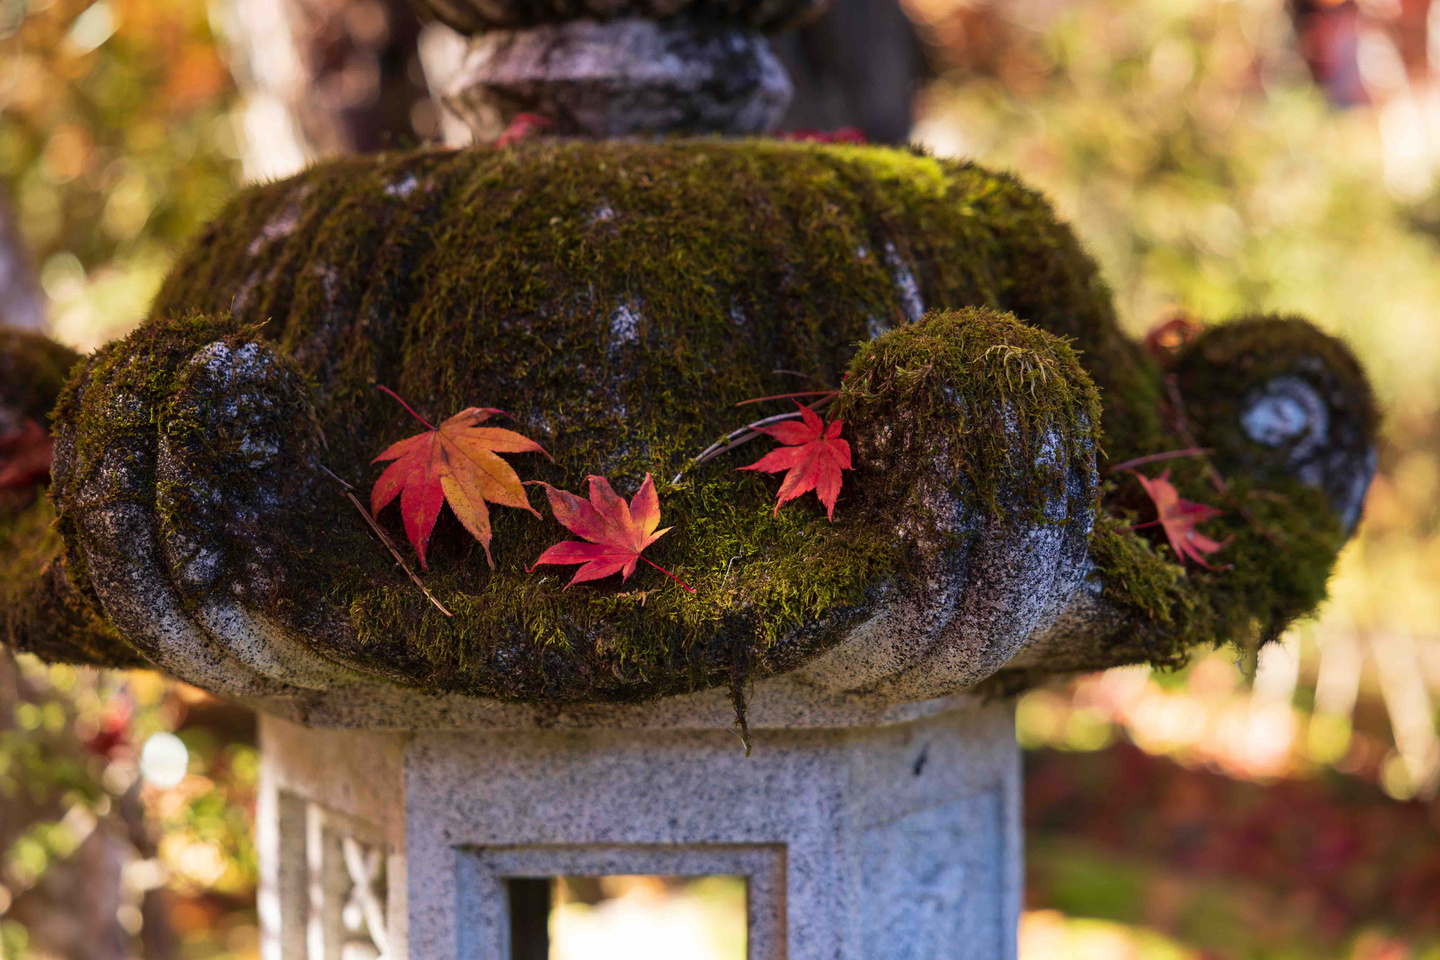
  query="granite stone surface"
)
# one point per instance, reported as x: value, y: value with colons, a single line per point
x: 896, y: 841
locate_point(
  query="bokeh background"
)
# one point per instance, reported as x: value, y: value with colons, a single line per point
x: 1216, y: 158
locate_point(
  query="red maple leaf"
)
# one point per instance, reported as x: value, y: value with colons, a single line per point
x: 813, y: 453
x: 25, y: 457
x: 618, y: 532
x: 453, y: 463
x: 113, y: 732
x: 522, y: 127
x: 843, y: 135
x: 1178, y: 517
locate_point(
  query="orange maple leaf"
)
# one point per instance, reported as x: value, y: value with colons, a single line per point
x: 453, y: 463
x: 25, y: 456
x: 813, y: 453
x: 1178, y: 517
x: 618, y: 532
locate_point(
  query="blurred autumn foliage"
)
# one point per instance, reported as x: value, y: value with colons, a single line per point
x: 1211, y: 176
x: 115, y: 146
x: 99, y: 860
x: 116, y: 143
x: 1229, y: 820
x: 1226, y: 866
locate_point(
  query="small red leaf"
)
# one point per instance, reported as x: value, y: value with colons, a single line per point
x: 1178, y: 517
x: 618, y: 532
x: 522, y: 127
x: 814, y: 455
x: 843, y: 135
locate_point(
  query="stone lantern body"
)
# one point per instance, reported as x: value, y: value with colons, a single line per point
x: 826, y: 715
x: 857, y: 835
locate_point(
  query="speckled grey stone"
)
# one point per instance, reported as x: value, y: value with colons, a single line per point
x: 891, y: 842
x: 1288, y: 413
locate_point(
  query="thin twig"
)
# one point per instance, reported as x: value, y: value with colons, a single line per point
x: 390, y: 545
x: 745, y: 434
x: 804, y: 376
x: 735, y: 438
x: 727, y: 569
x: 1157, y: 457
x: 334, y: 476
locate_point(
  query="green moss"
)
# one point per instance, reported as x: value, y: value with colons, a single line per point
x: 972, y: 380
x: 1283, y: 542
x: 1227, y: 365
x: 33, y: 616
x: 117, y: 425
x: 619, y: 299
x: 521, y: 246
x: 29, y: 543
x: 1282, y: 536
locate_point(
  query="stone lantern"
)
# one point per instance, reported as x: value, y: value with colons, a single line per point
x: 826, y: 715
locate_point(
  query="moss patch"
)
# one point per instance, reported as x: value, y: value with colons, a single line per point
x: 39, y: 614
x: 1297, y: 368
x: 1284, y: 520
x: 619, y: 299
x: 1284, y: 540
x: 975, y: 382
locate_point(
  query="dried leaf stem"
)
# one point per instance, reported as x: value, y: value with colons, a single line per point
x: 1158, y: 457
x: 384, y: 537
x: 747, y: 433
x: 390, y: 545
x: 428, y: 424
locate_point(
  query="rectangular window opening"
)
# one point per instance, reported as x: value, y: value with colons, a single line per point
x: 628, y: 917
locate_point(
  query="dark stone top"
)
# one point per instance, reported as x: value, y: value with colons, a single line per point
x: 479, y: 16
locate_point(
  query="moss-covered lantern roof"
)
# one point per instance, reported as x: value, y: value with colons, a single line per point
x: 617, y: 300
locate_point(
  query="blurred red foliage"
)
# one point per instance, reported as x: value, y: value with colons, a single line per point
x: 1323, y: 857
